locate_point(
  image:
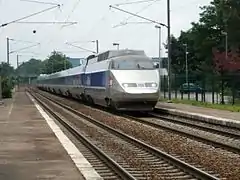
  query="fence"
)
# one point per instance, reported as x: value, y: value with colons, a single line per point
x: 205, y: 88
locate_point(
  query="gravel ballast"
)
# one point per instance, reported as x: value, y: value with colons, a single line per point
x: 193, y: 152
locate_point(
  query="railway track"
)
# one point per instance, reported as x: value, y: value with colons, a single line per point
x: 217, y: 136
x: 103, y: 164
x: 202, y: 125
x: 162, y: 164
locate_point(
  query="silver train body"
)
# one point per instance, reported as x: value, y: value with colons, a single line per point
x: 124, y: 80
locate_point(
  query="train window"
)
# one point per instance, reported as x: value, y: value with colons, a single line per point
x: 132, y: 64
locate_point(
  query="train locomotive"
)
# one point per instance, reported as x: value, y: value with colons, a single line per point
x: 125, y: 80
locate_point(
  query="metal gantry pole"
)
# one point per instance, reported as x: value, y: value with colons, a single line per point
x: 1, y: 101
x: 169, y: 51
x: 97, y: 46
x: 17, y: 60
x: 17, y: 72
x: 7, y: 50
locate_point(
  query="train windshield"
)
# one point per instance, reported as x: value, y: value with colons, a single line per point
x: 132, y: 64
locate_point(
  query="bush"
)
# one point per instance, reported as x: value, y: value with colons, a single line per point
x: 7, y: 87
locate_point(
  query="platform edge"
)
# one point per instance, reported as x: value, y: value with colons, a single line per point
x: 77, y: 157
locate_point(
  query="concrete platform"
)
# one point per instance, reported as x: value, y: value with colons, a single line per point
x: 222, y: 117
x: 29, y: 149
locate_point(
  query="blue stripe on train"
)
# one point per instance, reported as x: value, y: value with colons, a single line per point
x: 97, y: 79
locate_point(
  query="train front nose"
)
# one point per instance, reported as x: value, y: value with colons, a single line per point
x: 137, y: 89
x: 137, y: 100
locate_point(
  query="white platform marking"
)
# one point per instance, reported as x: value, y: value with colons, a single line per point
x: 82, y: 163
x: 11, y: 107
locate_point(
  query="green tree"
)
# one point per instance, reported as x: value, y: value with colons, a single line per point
x: 7, y: 79
x: 55, y: 62
x: 207, y: 34
x: 6, y: 70
x: 30, y: 68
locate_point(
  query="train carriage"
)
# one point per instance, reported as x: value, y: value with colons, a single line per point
x: 125, y: 80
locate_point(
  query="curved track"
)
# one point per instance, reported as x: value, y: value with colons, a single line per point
x: 164, y: 164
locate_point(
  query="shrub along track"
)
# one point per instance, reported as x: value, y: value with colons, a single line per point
x: 196, y: 153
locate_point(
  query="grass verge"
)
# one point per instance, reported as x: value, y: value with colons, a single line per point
x: 228, y: 107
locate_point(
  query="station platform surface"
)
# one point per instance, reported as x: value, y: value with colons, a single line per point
x: 28, y: 147
x: 223, y: 117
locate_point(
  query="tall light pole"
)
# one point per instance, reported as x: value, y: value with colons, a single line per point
x: 169, y: 51
x: 226, y: 58
x: 186, y: 61
x: 116, y: 44
x: 160, y: 60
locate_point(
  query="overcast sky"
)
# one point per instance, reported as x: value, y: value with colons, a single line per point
x: 95, y: 21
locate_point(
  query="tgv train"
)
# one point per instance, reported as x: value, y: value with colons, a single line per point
x: 123, y: 79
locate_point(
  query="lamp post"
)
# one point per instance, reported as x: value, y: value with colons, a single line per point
x: 116, y: 44
x: 186, y: 61
x: 169, y: 51
x: 226, y: 58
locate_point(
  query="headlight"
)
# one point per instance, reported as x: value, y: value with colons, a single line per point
x: 129, y: 85
x: 125, y: 85
x: 154, y: 85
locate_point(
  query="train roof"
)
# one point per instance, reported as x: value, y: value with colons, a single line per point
x: 92, y: 59
x: 114, y: 53
x: 63, y: 73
